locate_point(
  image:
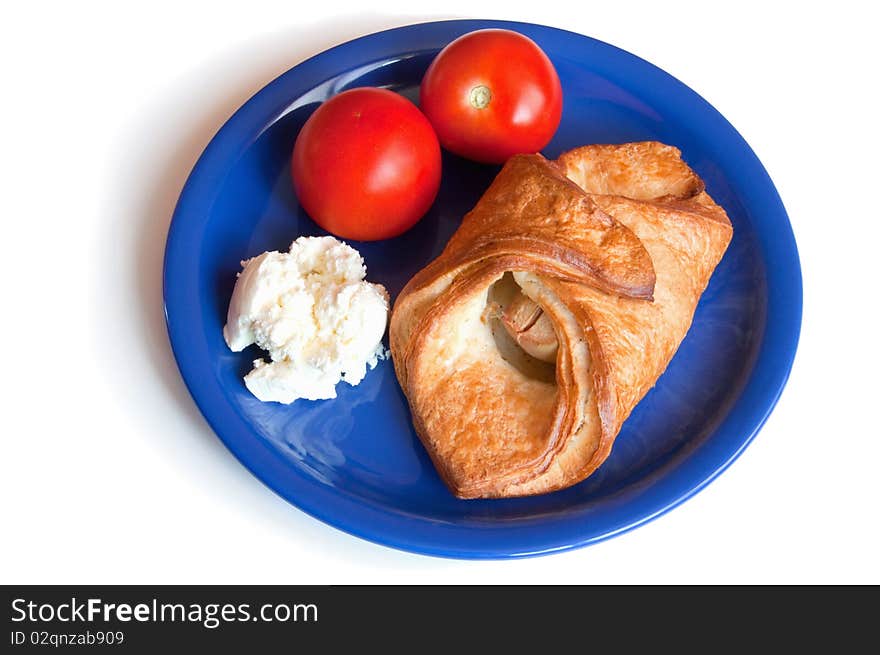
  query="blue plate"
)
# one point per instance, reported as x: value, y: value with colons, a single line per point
x: 355, y: 462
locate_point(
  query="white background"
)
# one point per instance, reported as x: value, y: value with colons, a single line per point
x: 109, y: 473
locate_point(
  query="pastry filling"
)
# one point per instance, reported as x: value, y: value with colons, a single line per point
x: 522, y: 331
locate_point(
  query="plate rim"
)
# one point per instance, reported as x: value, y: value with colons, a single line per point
x: 421, y: 535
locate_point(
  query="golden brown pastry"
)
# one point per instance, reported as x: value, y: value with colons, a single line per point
x: 595, y: 263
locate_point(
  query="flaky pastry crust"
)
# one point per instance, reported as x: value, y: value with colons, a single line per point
x: 616, y: 244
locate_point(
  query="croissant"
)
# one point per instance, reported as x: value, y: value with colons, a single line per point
x: 553, y: 309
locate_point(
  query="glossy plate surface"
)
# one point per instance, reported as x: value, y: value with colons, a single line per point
x: 355, y: 462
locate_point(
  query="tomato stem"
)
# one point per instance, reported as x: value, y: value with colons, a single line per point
x: 480, y: 97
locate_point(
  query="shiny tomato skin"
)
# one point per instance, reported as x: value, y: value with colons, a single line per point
x: 524, y: 96
x: 366, y: 164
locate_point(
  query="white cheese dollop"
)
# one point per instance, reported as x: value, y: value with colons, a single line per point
x: 314, y: 313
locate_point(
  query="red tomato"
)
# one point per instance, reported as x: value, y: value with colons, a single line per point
x: 366, y: 164
x: 491, y: 94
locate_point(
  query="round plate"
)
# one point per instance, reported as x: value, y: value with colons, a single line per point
x: 355, y: 462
